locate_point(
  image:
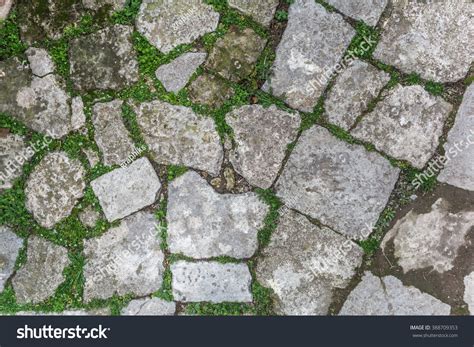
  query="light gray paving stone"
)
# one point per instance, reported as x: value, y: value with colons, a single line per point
x: 368, y: 11
x: 469, y: 292
x: 340, y: 184
x: 92, y: 156
x: 124, y: 191
x: 14, y: 153
x: 176, y: 74
x: 149, y: 307
x: 211, y: 281
x: 261, y: 11
x: 41, y: 63
x: 54, y: 187
x: 303, y: 264
x: 313, y: 43
x: 406, y: 124
x: 94, y: 312
x: 42, y: 273
x: 203, y: 223
x: 433, y: 39
x: 209, y: 90
x: 181, y: 22
x: 5, y: 6
x: 89, y: 217
x: 262, y: 136
x: 114, y: 5
x: 125, y: 260
x: 78, y: 117
x: 10, y: 246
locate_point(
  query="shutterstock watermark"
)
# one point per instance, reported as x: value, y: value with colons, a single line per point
x: 49, y: 332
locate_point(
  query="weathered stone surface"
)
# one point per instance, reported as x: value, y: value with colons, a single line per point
x: 342, y: 185
x: 430, y: 239
x: 127, y: 190
x: 354, y: 88
x: 367, y: 10
x: 78, y: 117
x: 262, y: 136
x: 205, y: 224
x: 89, y: 217
x: 388, y: 296
x: 433, y: 39
x: 54, y: 187
x: 176, y: 74
x: 234, y: 55
x: 41, y: 63
x: 469, y: 292
x: 211, y: 281
x: 181, y: 21
x: 177, y: 135
x: 13, y: 154
x: 5, y: 6
x: 10, y: 246
x: 110, y: 134
x: 125, y: 260
x: 104, y: 60
x: 92, y: 156
x: 261, y: 11
x: 42, y: 273
x: 313, y: 43
x: 149, y: 307
x: 209, y: 90
x: 114, y: 5
x: 459, y: 170
x: 93, y: 312
x: 303, y: 264
x: 406, y: 124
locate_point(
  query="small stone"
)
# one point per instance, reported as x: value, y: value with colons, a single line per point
x: 14, y: 153
x: 368, y: 11
x: 205, y: 224
x: 406, y: 124
x: 181, y: 21
x: 216, y: 182
x: 176, y: 74
x: 235, y: 54
x: 104, y: 60
x: 5, y: 6
x: 92, y: 156
x: 262, y: 136
x: 209, y: 90
x: 211, y: 281
x: 10, y: 246
x: 352, y: 92
x: 54, y: 187
x: 149, y: 307
x: 311, y: 47
x: 41, y: 63
x: 114, y: 5
x: 125, y: 260
x: 388, y: 296
x: 341, y: 184
x: 89, y: 217
x: 42, y: 273
x: 176, y: 135
x: 229, y: 178
x: 303, y: 264
x: 78, y: 117
x: 469, y: 292
x: 124, y: 191
x: 261, y: 11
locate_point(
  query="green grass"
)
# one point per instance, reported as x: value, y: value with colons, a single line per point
x: 128, y: 14
x: 281, y: 15
x: 175, y: 171
x: 434, y: 88
x: 364, y: 42
x: 271, y: 219
x: 10, y: 42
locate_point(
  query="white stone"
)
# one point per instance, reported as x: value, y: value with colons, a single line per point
x: 10, y: 246
x: 14, y: 154
x: 5, y: 6
x: 41, y: 63
x: 368, y: 11
x: 78, y: 117
x: 261, y: 11
x: 175, y: 75
x: 469, y: 292
x: 149, y: 307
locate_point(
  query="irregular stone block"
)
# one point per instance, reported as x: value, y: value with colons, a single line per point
x: 14, y: 153
x: 469, y: 292
x: 5, y: 6
x: 149, y: 307
x: 41, y: 63
x: 261, y: 11
x: 10, y: 246
x: 209, y: 90
x: 368, y: 11
x: 176, y: 74
x: 78, y: 117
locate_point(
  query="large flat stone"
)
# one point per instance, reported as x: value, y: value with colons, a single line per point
x: 433, y: 39
x: 469, y: 292
x: 10, y: 246
x: 342, y: 185
x: 209, y: 90
x: 149, y: 307
x: 303, y: 264
x: 176, y: 135
x: 13, y: 155
x: 261, y: 11
x: 211, y: 281
x: 262, y: 136
x: 313, y: 43
x: 125, y: 260
x: 406, y: 124
x: 5, y: 6
x: 126, y: 190
x: 368, y: 11
x: 203, y: 223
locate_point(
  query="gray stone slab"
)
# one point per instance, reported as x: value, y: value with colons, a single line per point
x: 209, y: 90
x: 78, y: 117
x: 13, y: 155
x: 149, y: 307
x: 93, y: 312
x: 261, y: 11
x: 5, y: 6
x: 469, y: 292
x: 368, y: 11
x: 41, y: 63
x: 176, y: 74
x: 89, y: 217
x: 10, y: 245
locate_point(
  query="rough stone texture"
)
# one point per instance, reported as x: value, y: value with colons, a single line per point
x: 127, y: 190
x: 234, y: 55
x: 430, y: 239
x: 42, y: 273
x: 176, y: 135
x: 78, y: 117
x: 5, y: 6
x: 92, y: 156
x: 205, y: 224
x: 125, y: 260
x: 181, y: 21
x: 354, y: 88
x: 89, y: 217
x: 149, y: 307
x: 114, y: 5
x: 303, y: 264
x: 313, y: 43
x: 209, y: 90
x: 13, y: 154
x: 342, y: 185
x: 367, y: 10
x: 10, y: 246
x: 211, y: 281
x: 93, y: 312
x: 433, y: 39
x: 469, y: 292
x: 261, y: 11
x: 110, y: 134
x: 41, y: 63
x: 54, y: 187
x: 261, y: 136
x: 176, y: 74
x: 104, y: 60
x: 459, y: 170
x: 388, y: 296
x: 406, y: 124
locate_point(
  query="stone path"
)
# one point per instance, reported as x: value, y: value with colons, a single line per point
x: 247, y: 157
